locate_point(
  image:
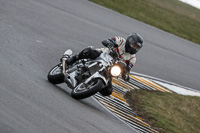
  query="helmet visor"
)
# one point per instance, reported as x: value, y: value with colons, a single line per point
x: 135, y: 46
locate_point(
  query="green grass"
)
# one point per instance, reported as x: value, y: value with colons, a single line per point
x: 170, y: 15
x: 167, y: 112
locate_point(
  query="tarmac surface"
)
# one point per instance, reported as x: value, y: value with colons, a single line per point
x: 33, y: 36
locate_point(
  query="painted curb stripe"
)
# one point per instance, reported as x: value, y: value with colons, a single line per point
x: 119, y: 106
x: 150, y: 84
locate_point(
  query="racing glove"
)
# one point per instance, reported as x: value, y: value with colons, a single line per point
x: 109, y: 44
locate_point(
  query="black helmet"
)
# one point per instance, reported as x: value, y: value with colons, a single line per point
x: 133, y: 43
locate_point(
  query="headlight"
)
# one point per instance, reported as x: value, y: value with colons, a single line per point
x: 115, y: 71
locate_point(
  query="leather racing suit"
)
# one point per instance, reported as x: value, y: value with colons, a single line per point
x: 119, y: 44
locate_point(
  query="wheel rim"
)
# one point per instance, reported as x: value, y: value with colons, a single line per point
x: 83, y: 87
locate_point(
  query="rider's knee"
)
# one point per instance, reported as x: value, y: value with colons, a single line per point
x: 89, y: 52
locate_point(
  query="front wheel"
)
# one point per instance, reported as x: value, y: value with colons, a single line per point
x: 55, y: 75
x: 85, y: 90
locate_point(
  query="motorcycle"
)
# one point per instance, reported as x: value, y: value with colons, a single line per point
x: 86, y: 76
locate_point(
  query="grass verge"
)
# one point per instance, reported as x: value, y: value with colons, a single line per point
x: 170, y: 15
x: 166, y: 112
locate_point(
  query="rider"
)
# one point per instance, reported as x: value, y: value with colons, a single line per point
x: 125, y: 48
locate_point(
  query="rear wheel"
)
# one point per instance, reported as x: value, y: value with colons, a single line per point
x: 85, y: 90
x: 55, y: 75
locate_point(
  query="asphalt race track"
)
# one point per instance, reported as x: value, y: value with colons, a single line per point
x: 33, y: 36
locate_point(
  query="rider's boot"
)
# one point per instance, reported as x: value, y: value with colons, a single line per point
x: 66, y: 55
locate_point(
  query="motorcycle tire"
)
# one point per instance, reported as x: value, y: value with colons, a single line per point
x: 107, y: 91
x: 84, y: 91
x: 55, y: 75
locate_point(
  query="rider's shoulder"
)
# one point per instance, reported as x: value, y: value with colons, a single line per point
x: 119, y: 39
